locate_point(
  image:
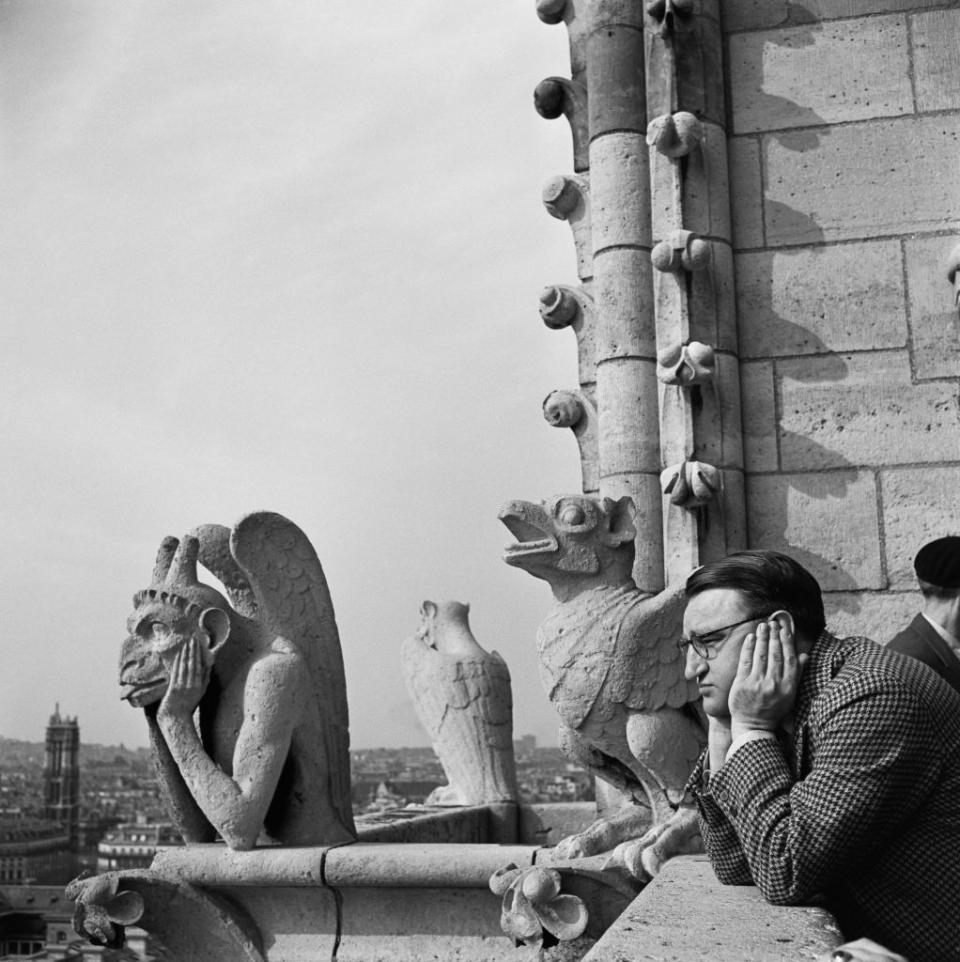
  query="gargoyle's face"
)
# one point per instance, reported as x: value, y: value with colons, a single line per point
x: 157, y: 632
x: 572, y: 534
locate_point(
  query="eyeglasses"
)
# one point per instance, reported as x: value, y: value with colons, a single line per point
x: 707, y: 649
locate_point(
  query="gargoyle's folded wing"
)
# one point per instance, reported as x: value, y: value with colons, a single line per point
x: 648, y: 665
x: 294, y: 602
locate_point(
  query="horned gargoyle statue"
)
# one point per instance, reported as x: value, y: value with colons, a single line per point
x: 610, y: 665
x: 269, y: 758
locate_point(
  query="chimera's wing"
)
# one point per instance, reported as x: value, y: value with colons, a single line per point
x: 294, y: 603
x: 648, y: 666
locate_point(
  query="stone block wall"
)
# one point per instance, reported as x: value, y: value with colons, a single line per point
x: 844, y: 156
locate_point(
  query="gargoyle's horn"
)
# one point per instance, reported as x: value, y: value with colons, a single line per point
x: 164, y: 556
x: 183, y: 568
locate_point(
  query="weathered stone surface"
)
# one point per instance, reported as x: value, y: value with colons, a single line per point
x: 820, y: 74
x: 619, y: 191
x: 746, y: 186
x: 712, y: 301
x: 871, y: 179
x: 376, y: 925
x: 622, y: 294
x: 936, y: 59
x: 184, y: 922
x: 605, y: 646
x: 863, y: 409
x: 434, y: 825
x: 686, y: 914
x: 717, y: 420
x: 876, y: 615
x: 699, y: 72
x: 754, y: 14
x: 627, y: 411
x: 402, y: 903
x: 919, y: 505
x: 301, y: 923
x: 546, y: 823
x: 644, y: 491
x: 934, y: 321
x: 349, y: 866
x: 264, y: 671
x: 759, y: 409
x: 705, y: 194
x: 726, y: 525
x: 463, y: 698
x: 615, y: 73
x: 828, y: 522
x: 820, y: 300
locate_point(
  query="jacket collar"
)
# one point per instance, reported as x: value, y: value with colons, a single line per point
x: 827, y: 657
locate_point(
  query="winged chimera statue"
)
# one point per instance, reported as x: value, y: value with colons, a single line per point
x: 610, y: 665
x: 269, y: 758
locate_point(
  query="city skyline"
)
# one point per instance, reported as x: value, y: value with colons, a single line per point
x: 287, y: 264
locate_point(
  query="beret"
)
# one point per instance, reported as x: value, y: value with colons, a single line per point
x: 938, y: 563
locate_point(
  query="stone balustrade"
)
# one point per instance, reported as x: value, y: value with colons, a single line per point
x: 422, y: 899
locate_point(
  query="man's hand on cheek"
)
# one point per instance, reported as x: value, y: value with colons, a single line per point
x: 765, y: 689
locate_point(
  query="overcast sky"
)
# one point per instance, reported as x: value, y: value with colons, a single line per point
x: 285, y: 256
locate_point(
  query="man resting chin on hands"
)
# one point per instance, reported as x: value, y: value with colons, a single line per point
x: 832, y: 767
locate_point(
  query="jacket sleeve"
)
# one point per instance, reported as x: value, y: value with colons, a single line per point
x: 874, y: 763
x: 719, y: 836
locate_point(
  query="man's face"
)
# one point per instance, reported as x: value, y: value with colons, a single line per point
x: 717, y: 608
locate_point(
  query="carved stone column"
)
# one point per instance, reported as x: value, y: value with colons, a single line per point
x: 627, y: 410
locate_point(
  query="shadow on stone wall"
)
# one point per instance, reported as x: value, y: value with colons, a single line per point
x: 799, y: 513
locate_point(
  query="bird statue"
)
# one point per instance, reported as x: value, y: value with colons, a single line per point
x: 462, y: 697
x: 610, y: 665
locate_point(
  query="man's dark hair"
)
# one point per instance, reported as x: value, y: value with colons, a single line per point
x: 768, y: 581
x: 935, y: 591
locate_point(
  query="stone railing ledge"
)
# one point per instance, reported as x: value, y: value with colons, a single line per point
x: 685, y: 914
x: 360, y: 865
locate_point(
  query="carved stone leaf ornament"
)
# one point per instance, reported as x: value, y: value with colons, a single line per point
x: 101, y: 911
x: 681, y: 250
x: 675, y: 135
x: 691, y: 484
x: 533, y: 912
x: 686, y: 364
x: 185, y: 923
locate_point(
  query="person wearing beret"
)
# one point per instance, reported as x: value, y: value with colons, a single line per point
x: 933, y: 636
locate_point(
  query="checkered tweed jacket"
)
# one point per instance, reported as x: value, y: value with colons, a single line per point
x: 860, y: 806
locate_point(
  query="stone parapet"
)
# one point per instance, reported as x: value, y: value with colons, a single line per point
x: 685, y: 914
x: 361, y: 864
x: 365, y: 902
